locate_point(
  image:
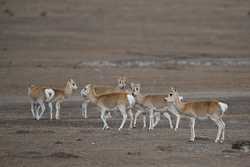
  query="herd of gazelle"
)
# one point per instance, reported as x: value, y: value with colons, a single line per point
x: 128, y: 99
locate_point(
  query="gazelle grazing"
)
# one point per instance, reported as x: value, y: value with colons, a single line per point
x: 154, y: 104
x: 58, y: 98
x: 212, y: 109
x: 122, y: 85
x: 111, y: 101
x: 38, y: 95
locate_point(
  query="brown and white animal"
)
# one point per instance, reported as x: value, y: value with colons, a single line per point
x: 212, y: 109
x: 38, y: 96
x: 122, y: 85
x: 154, y: 104
x: 59, y: 96
x: 122, y: 101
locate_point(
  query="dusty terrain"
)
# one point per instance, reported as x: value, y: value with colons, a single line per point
x: 202, y: 47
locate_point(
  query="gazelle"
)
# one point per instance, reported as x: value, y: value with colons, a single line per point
x: 58, y: 98
x: 111, y: 101
x: 154, y: 104
x: 211, y: 109
x: 38, y: 95
x: 122, y: 85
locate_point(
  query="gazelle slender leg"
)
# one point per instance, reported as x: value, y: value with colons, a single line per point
x: 131, y: 118
x: 32, y: 108
x: 223, y: 131
x: 169, y: 119
x: 136, y: 116
x: 124, y: 116
x: 219, y: 126
x: 192, y: 124
x: 108, y: 115
x: 151, y: 119
x: 103, y: 117
x: 157, y: 116
x: 144, y: 120
x: 58, y: 110
x: 84, y: 109
x: 37, y: 107
x: 43, y: 109
x: 178, y: 117
x: 51, y: 111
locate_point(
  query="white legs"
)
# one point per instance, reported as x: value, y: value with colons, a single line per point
x: 157, y: 116
x: 178, y: 117
x: 51, y: 111
x: 124, y: 116
x: 169, y: 119
x: 58, y: 106
x: 136, y: 116
x: 192, y: 124
x: 84, y: 109
x: 131, y: 118
x: 103, y: 117
x: 221, y: 130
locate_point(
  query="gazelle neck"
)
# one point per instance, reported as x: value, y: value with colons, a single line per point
x: 92, y: 94
x: 68, y: 90
x: 179, y: 104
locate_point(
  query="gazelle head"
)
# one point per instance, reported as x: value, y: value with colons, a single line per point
x: 71, y: 84
x: 122, y: 82
x: 86, y: 90
x: 173, y: 96
x: 136, y: 88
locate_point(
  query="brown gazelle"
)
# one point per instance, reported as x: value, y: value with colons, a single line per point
x: 212, y: 109
x: 122, y: 85
x: 38, y: 95
x: 60, y: 95
x: 111, y: 101
x: 154, y: 104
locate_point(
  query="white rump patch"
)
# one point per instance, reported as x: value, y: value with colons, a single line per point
x: 131, y: 100
x: 49, y: 94
x: 223, y: 106
x: 181, y: 98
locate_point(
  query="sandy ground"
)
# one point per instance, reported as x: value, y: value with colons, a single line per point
x: 201, y: 47
x: 73, y: 141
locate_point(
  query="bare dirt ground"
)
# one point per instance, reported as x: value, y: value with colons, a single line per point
x: 202, y: 47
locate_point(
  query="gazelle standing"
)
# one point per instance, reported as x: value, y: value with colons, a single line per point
x: 111, y: 101
x: 122, y: 85
x: 38, y: 95
x: 211, y: 109
x: 154, y: 104
x: 59, y: 97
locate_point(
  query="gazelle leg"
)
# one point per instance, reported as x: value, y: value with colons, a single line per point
x: 144, y: 120
x: 51, y: 111
x: 84, y: 109
x: 43, y: 110
x: 157, y: 116
x: 192, y: 124
x: 136, y: 116
x: 178, y: 117
x: 32, y: 108
x: 169, y: 119
x: 223, y: 131
x: 58, y: 106
x: 124, y: 116
x: 151, y: 119
x: 103, y: 117
x: 131, y: 118
x: 219, y: 126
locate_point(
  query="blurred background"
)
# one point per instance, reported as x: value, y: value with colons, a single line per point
x: 195, y: 45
